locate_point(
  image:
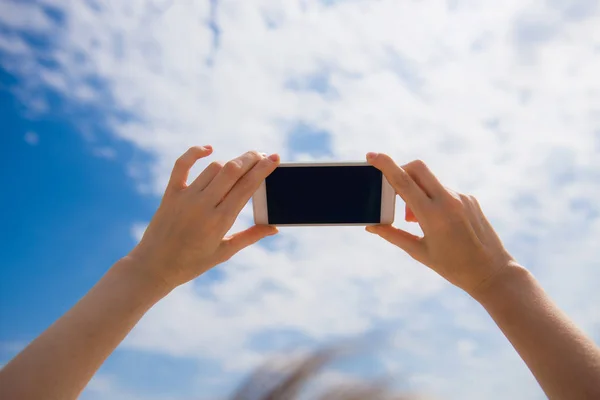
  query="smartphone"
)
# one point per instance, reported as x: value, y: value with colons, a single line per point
x: 317, y: 194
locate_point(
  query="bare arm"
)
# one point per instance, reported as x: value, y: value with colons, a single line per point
x: 460, y: 244
x: 61, y: 361
x: 184, y: 239
x: 563, y: 359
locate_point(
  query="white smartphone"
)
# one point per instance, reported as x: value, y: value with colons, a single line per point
x: 318, y: 194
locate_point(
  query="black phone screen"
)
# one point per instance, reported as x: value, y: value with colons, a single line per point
x: 324, y: 195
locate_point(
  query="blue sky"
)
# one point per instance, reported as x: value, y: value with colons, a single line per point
x: 98, y: 99
x: 68, y: 219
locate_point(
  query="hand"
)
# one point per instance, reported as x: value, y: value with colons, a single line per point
x: 185, y: 238
x: 459, y: 243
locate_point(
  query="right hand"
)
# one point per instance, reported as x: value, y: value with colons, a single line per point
x: 458, y: 243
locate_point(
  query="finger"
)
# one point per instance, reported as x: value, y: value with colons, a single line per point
x: 409, y: 215
x: 406, y: 241
x: 424, y: 178
x: 181, y: 169
x: 402, y: 183
x: 243, y: 190
x: 228, y: 176
x: 206, y: 176
x: 239, y: 241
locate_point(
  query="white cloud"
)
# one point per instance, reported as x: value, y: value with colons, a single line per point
x: 501, y: 99
x: 100, y: 384
x: 105, y: 152
x: 13, y: 45
x: 137, y: 231
x: 12, y: 347
x: 104, y: 386
x: 24, y: 16
x: 32, y: 138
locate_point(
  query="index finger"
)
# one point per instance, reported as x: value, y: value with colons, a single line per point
x: 402, y: 182
x: 228, y: 176
x: 241, y: 193
x: 425, y: 179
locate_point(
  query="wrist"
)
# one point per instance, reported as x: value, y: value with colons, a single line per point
x: 137, y: 274
x: 505, y: 284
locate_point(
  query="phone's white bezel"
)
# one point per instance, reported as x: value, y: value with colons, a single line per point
x: 388, y: 197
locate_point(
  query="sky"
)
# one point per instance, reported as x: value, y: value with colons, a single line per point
x: 98, y: 98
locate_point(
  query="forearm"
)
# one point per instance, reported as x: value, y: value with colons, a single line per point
x: 60, y: 362
x: 565, y: 362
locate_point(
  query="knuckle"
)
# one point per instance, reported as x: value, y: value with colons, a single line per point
x: 215, y: 166
x: 232, y: 168
x: 265, y: 164
x: 256, y: 174
x: 182, y: 161
x: 454, y: 202
x: 464, y: 198
x: 255, y: 155
x: 418, y: 165
x: 473, y: 199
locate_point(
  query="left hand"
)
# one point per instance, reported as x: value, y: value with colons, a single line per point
x: 186, y: 236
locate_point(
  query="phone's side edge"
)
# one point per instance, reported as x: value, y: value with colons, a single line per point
x: 259, y: 205
x: 325, y: 164
x: 388, y: 202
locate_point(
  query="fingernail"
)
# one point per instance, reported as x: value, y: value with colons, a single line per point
x: 274, y: 157
x: 372, y: 155
x: 207, y: 147
x: 369, y: 229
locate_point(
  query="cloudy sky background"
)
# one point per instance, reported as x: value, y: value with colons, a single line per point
x: 97, y: 99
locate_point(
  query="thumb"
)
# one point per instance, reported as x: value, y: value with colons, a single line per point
x: 406, y: 241
x: 239, y: 241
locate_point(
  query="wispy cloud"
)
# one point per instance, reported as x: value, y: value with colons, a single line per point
x: 501, y: 99
x: 32, y: 138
